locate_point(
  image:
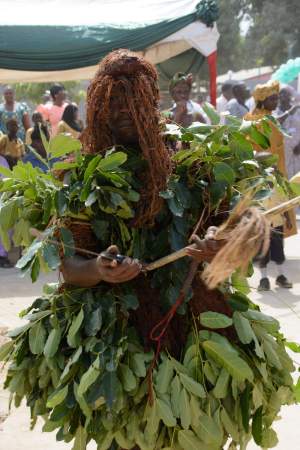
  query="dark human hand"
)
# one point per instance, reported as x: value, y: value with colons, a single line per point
x: 181, y: 108
x: 114, y: 272
x: 296, y: 150
x: 207, y: 247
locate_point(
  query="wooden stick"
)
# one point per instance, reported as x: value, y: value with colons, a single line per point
x: 283, y: 207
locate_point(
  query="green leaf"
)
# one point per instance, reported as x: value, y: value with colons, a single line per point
x: 192, y: 386
x: 269, y: 438
x: 37, y: 338
x: 224, y: 173
x: 185, y: 411
x: 6, y: 172
x: 52, y: 343
x: 165, y: 413
x: 230, y: 426
x: 238, y: 302
x: 30, y: 253
x: 269, y: 323
x: 235, y: 365
x: 221, y: 388
x: 6, y: 349
x: 89, y: 377
x: 63, y: 144
x: 138, y: 365
x: 189, y: 441
x: 80, y: 442
x: 50, y: 254
x: 175, y: 395
x: 293, y: 346
x: 110, y: 384
x: 211, y: 319
x: 128, y: 379
x: 164, y: 376
x: 57, y: 397
x: 257, y: 425
x: 243, y: 328
x: 9, y: 213
x: 35, y: 269
x: 67, y: 242
x: 112, y: 161
x: 61, y: 202
x: 213, y: 116
x: 245, y: 407
x: 61, y: 165
x: 74, y: 328
x: 93, y: 322
x: 208, y: 430
x: 130, y: 301
x: 259, y: 138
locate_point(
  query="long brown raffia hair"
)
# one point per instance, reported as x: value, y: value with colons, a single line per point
x: 139, y: 79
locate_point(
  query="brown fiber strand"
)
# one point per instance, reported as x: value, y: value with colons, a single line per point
x: 139, y: 81
x: 247, y: 233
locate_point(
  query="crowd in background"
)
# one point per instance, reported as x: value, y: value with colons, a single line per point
x: 20, y: 134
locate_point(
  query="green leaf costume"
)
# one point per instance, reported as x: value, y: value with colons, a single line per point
x: 83, y: 362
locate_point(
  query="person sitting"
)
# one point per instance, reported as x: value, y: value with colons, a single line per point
x: 184, y: 111
x: 69, y: 122
x: 38, y: 146
x: 237, y: 105
x: 12, y: 147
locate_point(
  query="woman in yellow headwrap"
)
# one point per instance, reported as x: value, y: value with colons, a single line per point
x: 266, y: 99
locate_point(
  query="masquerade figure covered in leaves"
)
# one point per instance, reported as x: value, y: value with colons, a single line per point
x: 134, y: 359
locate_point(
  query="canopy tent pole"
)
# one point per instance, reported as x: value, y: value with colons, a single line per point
x: 212, y: 65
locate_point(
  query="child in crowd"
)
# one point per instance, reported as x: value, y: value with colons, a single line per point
x: 70, y: 122
x: 12, y: 147
x: 37, y: 147
x: 36, y: 119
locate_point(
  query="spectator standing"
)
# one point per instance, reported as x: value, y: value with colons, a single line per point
x: 11, y: 146
x: 36, y: 118
x: 38, y: 146
x: 70, y: 121
x: 52, y: 112
x: 237, y: 105
x: 184, y: 111
x: 291, y: 124
x: 11, y: 109
x: 225, y: 97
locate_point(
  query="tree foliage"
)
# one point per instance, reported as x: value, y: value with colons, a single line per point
x: 272, y: 38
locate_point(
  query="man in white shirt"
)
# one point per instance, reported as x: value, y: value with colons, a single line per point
x: 225, y: 96
x: 237, y: 106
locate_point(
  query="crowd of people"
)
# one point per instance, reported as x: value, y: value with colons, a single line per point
x: 19, y: 132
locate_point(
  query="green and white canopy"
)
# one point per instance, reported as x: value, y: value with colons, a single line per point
x: 45, y: 40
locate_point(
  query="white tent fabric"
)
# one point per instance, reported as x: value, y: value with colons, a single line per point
x: 195, y: 35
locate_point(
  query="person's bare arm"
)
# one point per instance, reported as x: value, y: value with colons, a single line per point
x: 82, y: 272
x: 26, y: 121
